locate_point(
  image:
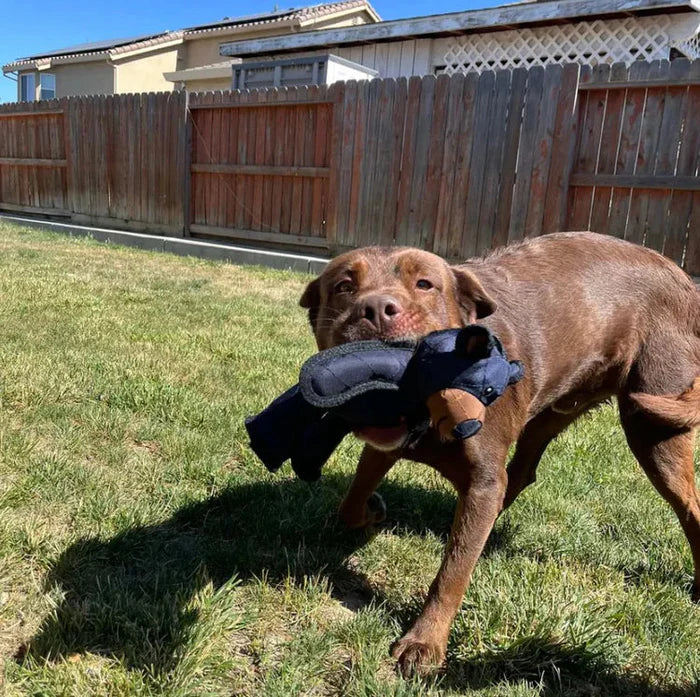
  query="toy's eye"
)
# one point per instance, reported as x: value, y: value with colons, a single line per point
x: 344, y: 287
x: 424, y: 284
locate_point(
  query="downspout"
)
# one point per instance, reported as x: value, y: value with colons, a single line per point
x: 8, y: 75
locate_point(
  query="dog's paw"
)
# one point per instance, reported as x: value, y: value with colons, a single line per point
x: 373, y: 511
x: 376, y: 508
x: 417, y: 656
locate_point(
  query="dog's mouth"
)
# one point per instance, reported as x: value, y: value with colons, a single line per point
x: 387, y: 438
x: 356, y: 333
x: 397, y: 338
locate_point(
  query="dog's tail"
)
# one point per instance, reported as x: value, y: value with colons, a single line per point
x: 677, y: 411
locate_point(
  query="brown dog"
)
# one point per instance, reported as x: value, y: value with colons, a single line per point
x: 589, y: 315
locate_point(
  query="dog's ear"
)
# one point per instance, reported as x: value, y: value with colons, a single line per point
x: 311, y: 300
x: 473, y: 300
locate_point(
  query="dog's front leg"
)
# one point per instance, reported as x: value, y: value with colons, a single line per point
x: 481, y: 483
x: 362, y: 506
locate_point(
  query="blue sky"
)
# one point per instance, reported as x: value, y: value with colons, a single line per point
x: 53, y: 25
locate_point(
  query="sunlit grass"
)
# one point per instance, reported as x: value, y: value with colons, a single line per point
x: 145, y: 551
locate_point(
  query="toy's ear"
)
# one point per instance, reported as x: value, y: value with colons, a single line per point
x: 311, y: 300
x: 473, y: 300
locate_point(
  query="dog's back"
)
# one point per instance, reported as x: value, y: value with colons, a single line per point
x: 594, y: 314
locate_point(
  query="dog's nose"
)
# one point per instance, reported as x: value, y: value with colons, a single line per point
x: 381, y: 310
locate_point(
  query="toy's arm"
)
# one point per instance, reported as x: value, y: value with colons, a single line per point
x: 455, y: 414
x: 277, y: 430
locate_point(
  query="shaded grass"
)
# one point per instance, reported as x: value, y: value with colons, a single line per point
x: 144, y: 550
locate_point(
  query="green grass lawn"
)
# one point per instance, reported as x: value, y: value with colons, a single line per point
x: 145, y: 551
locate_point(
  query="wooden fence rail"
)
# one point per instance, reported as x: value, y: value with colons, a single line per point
x: 457, y: 165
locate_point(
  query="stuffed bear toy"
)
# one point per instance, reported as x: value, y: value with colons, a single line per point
x: 445, y: 381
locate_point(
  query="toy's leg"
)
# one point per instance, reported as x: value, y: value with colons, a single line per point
x: 479, y: 476
x: 362, y: 506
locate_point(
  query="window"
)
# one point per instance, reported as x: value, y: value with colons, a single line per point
x: 26, y: 86
x: 47, y: 85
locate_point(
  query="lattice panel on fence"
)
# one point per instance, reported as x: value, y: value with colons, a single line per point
x: 689, y: 47
x: 590, y: 43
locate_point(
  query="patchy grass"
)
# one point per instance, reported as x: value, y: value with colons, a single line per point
x: 145, y: 551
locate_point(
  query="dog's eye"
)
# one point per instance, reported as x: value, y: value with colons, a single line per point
x: 344, y: 287
x: 424, y: 284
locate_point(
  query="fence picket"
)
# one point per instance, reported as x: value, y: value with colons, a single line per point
x: 526, y: 153
x: 551, y: 91
x: 679, y: 231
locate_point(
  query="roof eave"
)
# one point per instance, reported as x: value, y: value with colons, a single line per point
x: 46, y: 63
x: 191, y: 34
x: 201, y: 73
x: 109, y: 54
x: 117, y: 55
x: 496, y: 18
x: 310, y: 21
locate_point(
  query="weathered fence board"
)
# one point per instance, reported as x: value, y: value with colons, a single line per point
x: 33, y: 160
x: 457, y: 165
x: 637, y: 175
x: 101, y: 160
x: 260, y: 165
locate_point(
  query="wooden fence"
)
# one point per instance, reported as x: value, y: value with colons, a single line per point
x: 117, y: 161
x: 457, y: 165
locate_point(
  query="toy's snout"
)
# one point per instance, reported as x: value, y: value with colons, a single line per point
x: 455, y: 414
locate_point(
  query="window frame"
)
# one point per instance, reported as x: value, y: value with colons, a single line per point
x: 25, y: 94
x: 43, y: 89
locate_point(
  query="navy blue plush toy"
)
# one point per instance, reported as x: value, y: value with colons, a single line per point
x: 445, y: 381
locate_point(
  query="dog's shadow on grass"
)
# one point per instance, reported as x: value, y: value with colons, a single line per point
x: 556, y: 669
x: 127, y: 597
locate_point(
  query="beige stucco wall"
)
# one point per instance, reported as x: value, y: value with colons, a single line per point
x: 96, y: 77
x: 349, y: 21
x: 83, y: 78
x: 144, y: 73
x: 204, y: 49
x: 208, y: 85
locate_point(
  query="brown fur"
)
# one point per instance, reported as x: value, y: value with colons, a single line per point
x: 590, y: 316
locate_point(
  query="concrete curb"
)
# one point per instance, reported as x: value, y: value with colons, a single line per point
x: 182, y: 246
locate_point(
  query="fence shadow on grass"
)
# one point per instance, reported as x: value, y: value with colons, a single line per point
x: 128, y: 596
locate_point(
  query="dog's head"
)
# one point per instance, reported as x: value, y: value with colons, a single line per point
x: 391, y: 293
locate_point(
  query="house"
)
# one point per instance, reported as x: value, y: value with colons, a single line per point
x: 188, y: 58
x: 538, y: 32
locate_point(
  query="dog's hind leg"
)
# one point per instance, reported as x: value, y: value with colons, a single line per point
x: 666, y: 454
x: 531, y: 444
